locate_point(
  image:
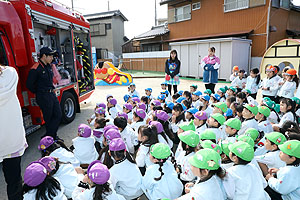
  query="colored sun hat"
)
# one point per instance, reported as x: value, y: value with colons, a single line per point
x: 222, y: 106
x: 188, y: 126
x: 98, y: 132
x: 100, y: 111
x: 160, y: 151
x: 108, y: 127
x: 170, y: 105
x: 242, y: 150
x: 190, y: 138
x: 142, y: 106
x: 136, y: 100
x: 84, y: 130
x: 297, y: 100
x: 228, y: 113
x: 234, y: 123
x: 141, y: 113
x: 126, y: 97
x: 180, y: 92
x: 205, y: 97
x: 252, y: 132
x: 180, y: 99
x: 216, y: 97
x: 266, y: 99
x: 291, y: 72
x: 276, y: 137
x: 161, y: 115
x: 207, y: 144
x: 201, y: 115
x: 166, y: 92
x: 197, y: 93
x: 112, y: 134
x: 246, y: 91
x: 149, y: 89
x: 232, y: 88
x: 183, y: 107
x: 271, y: 69
x: 109, y: 95
x: 156, y: 103
x: 206, y: 159
x: 161, y: 97
x: 45, y: 142
x: 134, y: 95
x: 224, y: 144
x: 128, y: 106
x: 35, y: 174
x: 291, y: 148
x: 223, y: 90
x: 48, y: 162
x: 194, y: 86
x: 264, y: 110
x: 208, y: 135
x: 192, y: 110
x: 113, y: 101
x: 220, y: 118
x: 158, y: 126
x: 270, y: 104
x: 122, y: 114
x: 98, y: 105
x: 164, y: 83
x: 277, y: 108
x: 208, y: 92
x: 98, y: 173
x: 132, y: 84
x: 117, y: 144
x: 246, y: 138
x: 236, y: 68
x: 252, y: 108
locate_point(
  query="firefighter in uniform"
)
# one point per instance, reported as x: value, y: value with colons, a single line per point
x: 40, y: 82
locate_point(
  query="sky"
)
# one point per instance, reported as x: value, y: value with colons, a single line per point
x: 140, y: 13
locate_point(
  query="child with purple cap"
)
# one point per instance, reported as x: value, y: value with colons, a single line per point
x: 99, y: 112
x: 49, y: 147
x: 127, y: 108
x: 84, y: 145
x: 39, y: 185
x: 98, y: 105
x: 200, y: 121
x: 161, y: 135
x: 139, y: 116
x: 99, y: 125
x: 67, y: 175
x: 163, y: 118
x: 123, y: 114
x: 111, y: 108
x: 126, y: 184
x: 95, y: 184
x: 127, y: 133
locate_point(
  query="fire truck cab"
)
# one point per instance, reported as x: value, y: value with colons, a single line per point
x: 28, y: 25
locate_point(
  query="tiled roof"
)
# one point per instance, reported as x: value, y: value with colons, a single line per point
x: 155, y: 31
x: 105, y: 15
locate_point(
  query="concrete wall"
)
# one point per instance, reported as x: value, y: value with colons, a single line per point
x: 117, y: 34
x: 104, y: 42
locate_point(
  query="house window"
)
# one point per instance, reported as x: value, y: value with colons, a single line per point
x: 196, y: 6
x: 151, y: 47
x: 183, y: 13
x: 97, y: 29
x: 108, y: 26
x: 285, y: 4
x: 232, y: 5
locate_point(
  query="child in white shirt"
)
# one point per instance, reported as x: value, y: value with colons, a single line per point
x: 287, y: 90
x: 253, y: 82
x: 233, y: 125
x: 270, y: 84
x: 287, y: 108
x: 240, y: 81
x: 111, y: 108
x: 262, y: 117
x: 204, y: 99
x: 132, y: 90
x: 138, y: 119
x: 214, y: 123
x: 148, y: 92
x: 249, y: 113
x: 196, y: 99
x: 200, y: 121
x: 235, y: 71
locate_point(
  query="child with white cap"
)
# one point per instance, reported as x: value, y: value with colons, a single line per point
x: 39, y: 185
x: 205, y: 164
x: 84, y: 145
x: 49, y: 147
x: 95, y: 184
x: 126, y: 184
x: 200, y: 121
x: 68, y: 176
x: 161, y: 180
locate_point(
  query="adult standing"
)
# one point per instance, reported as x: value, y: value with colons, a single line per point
x: 40, y: 82
x: 210, y: 65
x: 172, y: 69
x: 12, y: 135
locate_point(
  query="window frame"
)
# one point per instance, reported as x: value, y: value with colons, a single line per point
x: 236, y: 9
x: 182, y: 7
x: 193, y: 9
x: 281, y: 5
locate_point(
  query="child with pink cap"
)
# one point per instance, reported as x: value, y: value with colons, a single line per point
x: 38, y: 184
x: 138, y: 119
x: 95, y: 184
x: 84, y: 145
x: 126, y: 184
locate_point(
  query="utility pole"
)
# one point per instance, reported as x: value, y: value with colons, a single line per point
x: 155, y: 14
x: 108, y: 5
x: 72, y: 4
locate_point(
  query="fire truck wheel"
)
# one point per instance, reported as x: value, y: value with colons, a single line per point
x: 68, y: 107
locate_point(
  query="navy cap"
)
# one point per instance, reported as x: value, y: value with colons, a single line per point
x: 47, y: 51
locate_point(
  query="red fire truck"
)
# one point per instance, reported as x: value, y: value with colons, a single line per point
x: 28, y: 25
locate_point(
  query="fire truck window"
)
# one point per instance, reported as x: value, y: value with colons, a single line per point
x: 3, y: 59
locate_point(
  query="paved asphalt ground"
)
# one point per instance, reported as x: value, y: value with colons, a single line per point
x: 68, y: 132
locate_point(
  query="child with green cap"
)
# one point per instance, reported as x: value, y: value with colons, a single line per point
x: 271, y: 159
x: 214, y: 123
x: 219, y: 107
x: 233, y: 125
x: 205, y: 164
x: 208, y: 135
x: 262, y: 117
x: 259, y: 141
x: 286, y: 184
x: 189, y: 141
x: 222, y: 91
x: 287, y: 108
x: 225, y: 162
x: 186, y: 126
x: 161, y: 180
x: 249, y: 112
x: 243, y: 180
